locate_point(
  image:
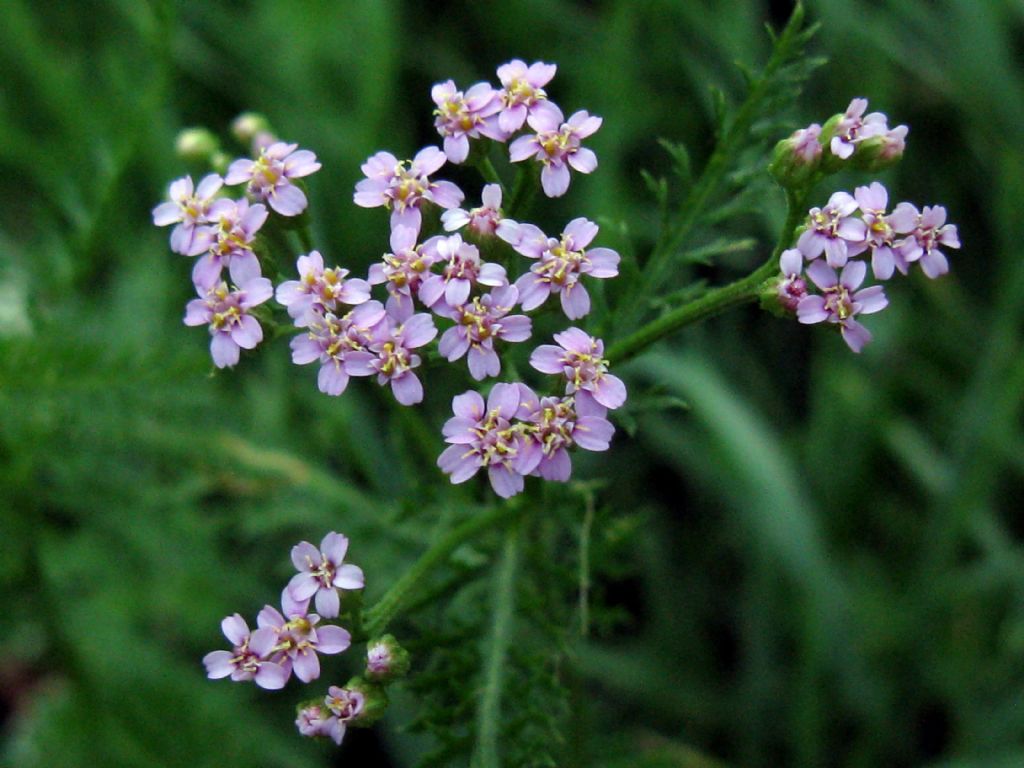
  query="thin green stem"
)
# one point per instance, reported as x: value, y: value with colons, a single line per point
x: 489, y: 172
x: 693, y: 207
x: 397, y: 598
x: 487, y: 754
x: 717, y: 300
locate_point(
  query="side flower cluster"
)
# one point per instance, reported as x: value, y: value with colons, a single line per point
x: 290, y: 640
x: 834, y: 245
x: 864, y: 140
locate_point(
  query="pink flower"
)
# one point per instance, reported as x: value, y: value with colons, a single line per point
x: 791, y: 287
x: 522, y: 93
x: 834, y: 231
x: 929, y: 231
x: 483, y: 436
x: 322, y: 572
x: 560, y: 264
x: 248, y: 659
x: 882, y: 228
x: 270, y: 176
x: 405, y: 186
x: 460, y: 117
x: 331, y: 338
x: 408, y: 265
x: 483, y: 220
x: 477, y: 324
x: 578, y: 357
x: 841, y: 301
x: 315, y: 720
x: 463, y: 270
x: 552, y: 425
x: 231, y: 327
x: 389, y: 354
x: 853, y: 127
x: 298, y: 638
x: 557, y: 146
x: 189, y: 209
x: 235, y: 224
x: 319, y: 287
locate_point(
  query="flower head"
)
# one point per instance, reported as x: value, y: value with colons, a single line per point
x: 522, y: 93
x: 579, y: 357
x: 318, y: 287
x: 477, y: 324
x: 791, y: 287
x: 463, y: 270
x: 929, y: 232
x: 460, y: 116
x: 404, y: 186
x: 482, y: 436
x: 234, y: 224
x: 298, y: 639
x: 390, y: 354
x: 552, y: 425
x: 249, y: 657
x: 841, y: 302
x: 482, y: 221
x: 189, y: 208
x: 232, y: 328
x: 833, y: 230
x: 330, y: 339
x: 322, y: 572
x: 557, y: 145
x: 882, y: 228
x: 853, y: 127
x: 270, y: 176
x: 560, y: 264
x: 408, y: 265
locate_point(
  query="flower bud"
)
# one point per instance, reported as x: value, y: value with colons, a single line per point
x: 880, y: 152
x: 386, y: 660
x: 796, y: 158
x: 196, y: 145
x: 248, y: 125
x: 781, y: 294
x: 373, y: 702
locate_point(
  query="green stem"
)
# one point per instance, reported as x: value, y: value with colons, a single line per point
x: 395, y: 599
x: 523, y: 190
x: 489, y: 172
x: 487, y: 754
x: 714, y: 173
x: 717, y: 300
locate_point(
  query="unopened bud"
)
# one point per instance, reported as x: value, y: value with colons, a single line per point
x: 882, y: 151
x: 248, y: 125
x: 196, y: 145
x: 372, y: 702
x: 796, y: 158
x: 386, y: 660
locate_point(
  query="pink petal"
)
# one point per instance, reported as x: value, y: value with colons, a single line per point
x: 327, y: 605
x: 554, y: 179
x: 349, y: 576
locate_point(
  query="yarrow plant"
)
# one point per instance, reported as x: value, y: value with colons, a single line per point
x: 451, y: 281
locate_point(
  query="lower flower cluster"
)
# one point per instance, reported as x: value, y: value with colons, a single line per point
x: 290, y: 641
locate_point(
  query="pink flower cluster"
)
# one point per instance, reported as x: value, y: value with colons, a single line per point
x: 851, y: 226
x: 517, y: 433
x: 222, y: 233
x: 290, y: 640
x: 484, y: 112
x: 462, y: 290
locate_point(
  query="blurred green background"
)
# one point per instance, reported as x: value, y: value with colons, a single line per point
x: 819, y: 564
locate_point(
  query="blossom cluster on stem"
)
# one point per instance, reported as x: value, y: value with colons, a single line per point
x: 833, y: 248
